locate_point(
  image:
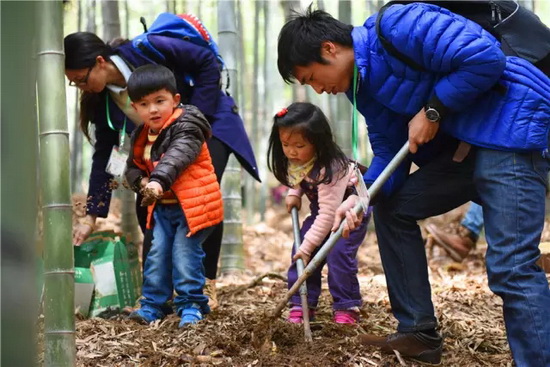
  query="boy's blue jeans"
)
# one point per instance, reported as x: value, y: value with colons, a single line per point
x: 511, y: 189
x: 174, y: 263
x: 473, y: 220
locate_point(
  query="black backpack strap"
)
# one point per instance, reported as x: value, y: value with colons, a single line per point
x: 388, y: 46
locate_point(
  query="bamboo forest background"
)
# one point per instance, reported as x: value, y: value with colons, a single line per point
x: 31, y: 48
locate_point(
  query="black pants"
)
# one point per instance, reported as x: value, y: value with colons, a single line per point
x: 436, y: 188
x: 212, y: 245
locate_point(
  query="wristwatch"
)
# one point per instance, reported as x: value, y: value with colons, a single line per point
x: 432, y: 114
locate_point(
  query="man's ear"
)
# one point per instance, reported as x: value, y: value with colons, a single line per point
x: 100, y: 59
x: 328, y: 49
x: 133, y: 105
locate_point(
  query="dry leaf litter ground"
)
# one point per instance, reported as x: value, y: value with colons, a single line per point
x: 238, y: 334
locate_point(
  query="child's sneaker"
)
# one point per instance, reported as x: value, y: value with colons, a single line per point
x: 144, y: 316
x: 190, y: 315
x: 349, y: 317
x: 296, y: 316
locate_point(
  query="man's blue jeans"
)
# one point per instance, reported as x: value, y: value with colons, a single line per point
x: 174, y: 263
x: 473, y: 220
x: 511, y: 189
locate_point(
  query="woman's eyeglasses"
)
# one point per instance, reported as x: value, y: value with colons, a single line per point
x: 82, y: 82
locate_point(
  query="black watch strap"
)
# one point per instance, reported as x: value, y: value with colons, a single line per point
x: 437, y: 105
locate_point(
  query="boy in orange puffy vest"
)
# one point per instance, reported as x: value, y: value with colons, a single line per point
x: 170, y: 164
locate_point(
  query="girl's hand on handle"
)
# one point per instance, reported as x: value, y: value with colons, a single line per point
x: 293, y: 201
x: 301, y: 255
x: 421, y: 130
x: 345, y: 211
x: 83, y: 230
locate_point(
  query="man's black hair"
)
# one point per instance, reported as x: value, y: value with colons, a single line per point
x: 301, y: 37
x: 151, y: 78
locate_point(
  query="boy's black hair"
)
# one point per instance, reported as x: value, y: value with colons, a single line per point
x: 309, y: 120
x: 151, y: 78
x: 301, y: 37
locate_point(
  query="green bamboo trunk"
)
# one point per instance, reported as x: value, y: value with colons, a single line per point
x: 232, y: 252
x: 342, y: 122
x: 59, y: 327
x: 252, y: 197
x: 19, y: 152
x: 270, y: 79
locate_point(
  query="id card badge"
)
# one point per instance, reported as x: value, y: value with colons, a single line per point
x: 117, y: 162
x: 361, y: 188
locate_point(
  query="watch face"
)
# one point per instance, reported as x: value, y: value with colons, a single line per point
x: 432, y: 114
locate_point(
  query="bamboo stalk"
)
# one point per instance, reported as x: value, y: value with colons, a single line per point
x: 342, y: 121
x: 232, y: 251
x: 323, y: 252
x: 19, y: 155
x: 300, y: 270
x: 252, y: 192
x: 59, y: 326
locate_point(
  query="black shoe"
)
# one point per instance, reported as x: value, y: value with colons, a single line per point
x: 419, y: 346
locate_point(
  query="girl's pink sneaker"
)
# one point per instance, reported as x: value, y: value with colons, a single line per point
x: 346, y: 317
x: 296, y: 315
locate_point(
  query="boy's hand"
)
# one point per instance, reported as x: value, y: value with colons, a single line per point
x: 421, y: 130
x: 82, y: 230
x: 144, y: 182
x: 151, y: 193
x: 155, y: 187
x: 293, y: 201
x: 300, y: 255
x: 345, y: 211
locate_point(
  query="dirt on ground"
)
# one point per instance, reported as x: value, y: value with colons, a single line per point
x: 241, y: 333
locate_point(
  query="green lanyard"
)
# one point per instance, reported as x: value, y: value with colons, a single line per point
x: 123, y: 131
x: 354, y: 132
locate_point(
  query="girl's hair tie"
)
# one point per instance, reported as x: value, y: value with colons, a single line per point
x: 282, y: 112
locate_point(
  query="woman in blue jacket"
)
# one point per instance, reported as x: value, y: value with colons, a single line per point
x: 101, y: 71
x: 477, y: 123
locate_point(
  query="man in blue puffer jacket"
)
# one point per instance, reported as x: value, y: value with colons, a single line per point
x: 477, y: 123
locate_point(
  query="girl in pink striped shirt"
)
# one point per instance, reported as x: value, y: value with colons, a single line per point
x: 303, y: 156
